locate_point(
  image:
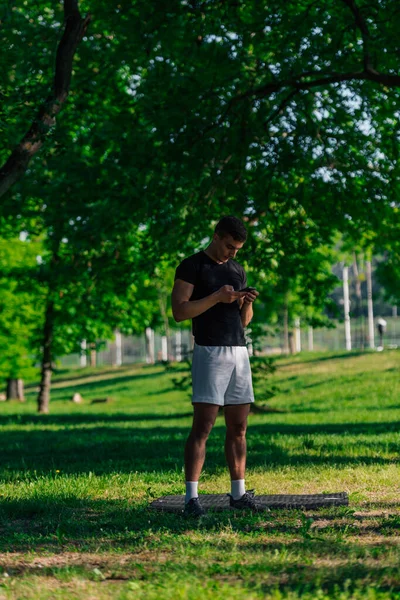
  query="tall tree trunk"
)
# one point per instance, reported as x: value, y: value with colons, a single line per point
x: 93, y: 355
x: 292, y: 346
x: 46, y: 370
x: 15, y: 389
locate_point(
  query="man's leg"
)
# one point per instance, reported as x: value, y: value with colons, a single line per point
x: 195, y: 450
x: 235, y: 450
x: 235, y: 441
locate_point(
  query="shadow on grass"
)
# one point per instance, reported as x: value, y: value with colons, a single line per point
x: 109, y: 449
x: 104, y: 375
x: 54, y: 525
x: 88, y: 418
x: 81, y: 374
x: 114, y: 382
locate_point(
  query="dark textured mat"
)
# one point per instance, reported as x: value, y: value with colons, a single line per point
x: 218, y: 502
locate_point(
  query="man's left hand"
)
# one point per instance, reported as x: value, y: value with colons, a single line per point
x: 251, y: 296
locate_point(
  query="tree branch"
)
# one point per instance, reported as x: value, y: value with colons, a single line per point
x: 18, y: 161
x: 298, y: 84
x: 361, y: 23
x: 280, y: 108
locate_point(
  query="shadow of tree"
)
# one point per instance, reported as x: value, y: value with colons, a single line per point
x: 55, y: 525
x: 107, y: 448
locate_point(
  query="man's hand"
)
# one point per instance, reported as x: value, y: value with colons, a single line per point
x: 250, y: 296
x: 227, y: 294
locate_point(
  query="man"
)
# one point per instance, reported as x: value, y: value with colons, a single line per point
x: 209, y: 290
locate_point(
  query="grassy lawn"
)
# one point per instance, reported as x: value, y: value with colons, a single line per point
x: 76, y: 485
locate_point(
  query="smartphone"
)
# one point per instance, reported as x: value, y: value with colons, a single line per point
x: 248, y: 289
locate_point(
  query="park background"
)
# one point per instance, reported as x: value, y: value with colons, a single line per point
x: 127, y: 130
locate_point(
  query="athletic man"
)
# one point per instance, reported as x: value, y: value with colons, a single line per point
x: 207, y: 290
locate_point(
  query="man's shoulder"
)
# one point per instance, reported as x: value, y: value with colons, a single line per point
x: 236, y: 266
x: 193, y: 258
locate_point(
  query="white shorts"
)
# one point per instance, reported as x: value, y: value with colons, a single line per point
x: 222, y: 375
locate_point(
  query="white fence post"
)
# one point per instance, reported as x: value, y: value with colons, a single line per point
x: 371, y: 330
x: 83, y: 357
x: 118, y: 348
x: 297, y: 331
x: 149, y: 346
x: 164, y: 348
x: 178, y: 346
x: 346, y: 302
x: 310, y: 338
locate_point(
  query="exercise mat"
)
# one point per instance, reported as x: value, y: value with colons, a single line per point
x: 218, y: 502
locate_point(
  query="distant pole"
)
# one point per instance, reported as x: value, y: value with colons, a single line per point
x: 394, y: 311
x: 83, y: 359
x: 297, y: 334
x: 346, y: 302
x: 371, y: 331
x: 285, y: 328
x: 118, y: 348
x: 178, y: 346
x: 164, y: 348
x: 310, y: 338
x: 149, y: 346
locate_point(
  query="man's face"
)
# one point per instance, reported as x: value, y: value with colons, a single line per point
x: 226, y: 247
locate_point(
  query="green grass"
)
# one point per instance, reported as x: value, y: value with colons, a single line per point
x: 76, y: 485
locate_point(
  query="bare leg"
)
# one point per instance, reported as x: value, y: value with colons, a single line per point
x: 235, y: 442
x: 195, y: 450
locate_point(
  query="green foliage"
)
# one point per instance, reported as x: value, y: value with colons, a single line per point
x: 262, y: 367
x: 183, y: 382
x: 178, y: 116
x: 20, y: 315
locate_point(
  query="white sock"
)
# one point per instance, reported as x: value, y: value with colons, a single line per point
x: 237, y: 489
x: 191, y: 490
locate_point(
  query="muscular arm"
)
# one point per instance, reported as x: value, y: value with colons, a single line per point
x: 246, y: 313
x: 246, y: 307
x: 183, y: 308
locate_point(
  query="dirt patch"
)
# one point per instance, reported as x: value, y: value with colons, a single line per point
x: 17, y: 563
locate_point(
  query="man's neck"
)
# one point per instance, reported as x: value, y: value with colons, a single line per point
x: 210, y: 251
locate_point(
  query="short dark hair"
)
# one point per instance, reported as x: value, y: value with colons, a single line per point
x: 231, y: 226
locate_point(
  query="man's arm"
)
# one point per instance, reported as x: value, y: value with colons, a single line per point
x: 183, y: 308
x: 246, y: 312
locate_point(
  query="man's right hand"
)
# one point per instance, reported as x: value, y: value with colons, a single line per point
x: 227, y: 294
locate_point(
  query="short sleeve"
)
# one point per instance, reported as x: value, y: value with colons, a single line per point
x: 187, y: 271
x: 244, y: 279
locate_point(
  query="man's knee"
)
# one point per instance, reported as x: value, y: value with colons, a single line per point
x: 236, y: 430
x: 201, y: 430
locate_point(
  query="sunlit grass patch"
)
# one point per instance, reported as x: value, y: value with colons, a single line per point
x: 76, y: 487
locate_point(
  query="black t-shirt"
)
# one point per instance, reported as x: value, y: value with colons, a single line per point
x: 221, y: 324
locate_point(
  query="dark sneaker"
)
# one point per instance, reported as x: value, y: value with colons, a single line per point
x: 247, y: 502
x: 193, y: 508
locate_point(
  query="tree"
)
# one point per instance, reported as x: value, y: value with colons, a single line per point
x: 75, y: 28
x: 282, y: 114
